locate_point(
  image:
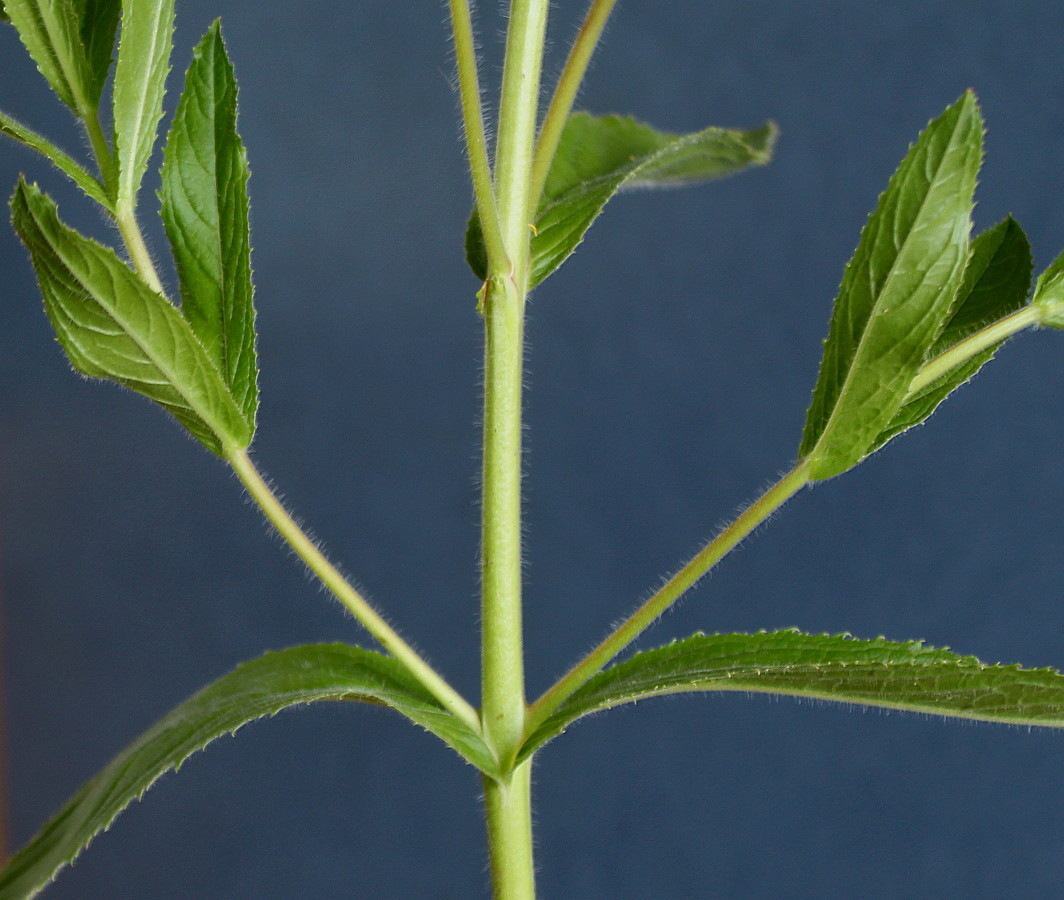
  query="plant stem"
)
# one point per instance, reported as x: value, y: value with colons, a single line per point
x: 503, y: 709
x: 307, y: 551
x: 756, y: 513
x: 518, y: 111
x: 138, y: 251
x: 981, y: 340
x: 508, y: 811
x: 476, y: 139
x: 561, y: 104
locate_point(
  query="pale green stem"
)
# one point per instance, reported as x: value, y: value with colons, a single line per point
x: 674, y: 588
x: 476, y: 138
x: 503, y: 677
x: 981, y: 340
x: 507, y: 801
x: 561, y: 104
x: 518, y: 111
x: 502, y: 651
x: 508, y: 812
x: 101, y: 149
x: 138, y: 251
x: 307, y: 551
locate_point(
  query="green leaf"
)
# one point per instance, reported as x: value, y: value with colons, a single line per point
x: 909, y: 676
x: 601, y: 155
x: 263, y: 687
x: 51, y: 33
x: 1049, y: 294
x: 67, y: 165
x: 896, y: 292
x: 205, y: 211
x: 997, y: 282
x: 140, y: 81
x: 99, y: 24
x: 112, y: 325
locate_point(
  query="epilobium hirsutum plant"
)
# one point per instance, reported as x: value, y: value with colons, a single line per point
x: 922, y: 307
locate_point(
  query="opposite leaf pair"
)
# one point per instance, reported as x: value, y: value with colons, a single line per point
x: 199, y: 362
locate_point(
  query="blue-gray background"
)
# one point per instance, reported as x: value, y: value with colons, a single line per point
x: 670, y: 365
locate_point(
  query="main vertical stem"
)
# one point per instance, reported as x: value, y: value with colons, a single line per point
x: 509, y: 813
x: 507, y: 801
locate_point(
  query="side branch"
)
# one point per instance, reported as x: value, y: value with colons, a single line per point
x: 304, y: 547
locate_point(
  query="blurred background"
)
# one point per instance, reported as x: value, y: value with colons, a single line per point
x: 670, y: 364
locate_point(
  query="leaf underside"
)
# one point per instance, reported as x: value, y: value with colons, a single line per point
x: 997, y: 282
x: 599, y: 156
x: 140, y: 81
x: 51, y: 34
x: 263, y: 687
x: 205, y: 212
x: 907, y: 676
x: 113, y: 326
x: 896, y: 292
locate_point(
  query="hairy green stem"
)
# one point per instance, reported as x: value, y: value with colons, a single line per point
x: 518, y: 112
x: 964, y: 350
x: 138, y: 251
x: 753, y: 516
x: 475, y: 135
x: 508, y: 811
x: 561, y: 104
x: 306, y: 549
x: 101, y: 149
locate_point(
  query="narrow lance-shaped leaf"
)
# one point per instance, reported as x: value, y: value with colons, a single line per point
x: 205, y: 211
x: 997, y: 282
x: 598, y: 156
x: 66, y: 164
x: 140, y: 81
x: 112, y: 325
x: 882, y: 673
x: 896, y: 293
x: 263, y: 687
x: 51, y: 33
x: 98, y: 26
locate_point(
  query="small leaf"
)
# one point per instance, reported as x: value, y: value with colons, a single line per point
x: 883, y: 673
x: 112, y: 325
x: 263, y: 687
x: 997, y: 282
x: 896, y: 292
x: 205, y: 211
x: 598, y: 156
x: 99, y: 24
x: 1049, y: 294
x: 57, y: 157
x: 140, y: 81
x: 51, y: 33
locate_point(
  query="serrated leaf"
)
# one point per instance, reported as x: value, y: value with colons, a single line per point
x: 896, y: 292
x: 51, y: 33
x: 113, y: 326
x: 66, y: 164
x: 907, y: 675
x: 997, y: 282
x: 205, y: 211
x: 140, y: 82
x: 263, y: 687
x: 598, y: 156
x: 98, y: 26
